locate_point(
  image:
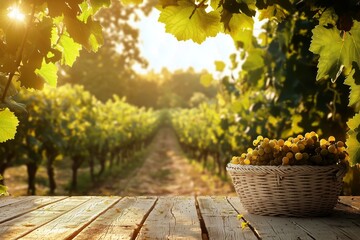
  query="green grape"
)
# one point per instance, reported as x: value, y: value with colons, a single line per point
x: 261, y: 151
x: 301, y: 146
x: 289, y: 155
x: 331, y: 139
x: 324, y: 152
x: 303, y: 149
x: 285, y: 161
x: 267, y: 149
x: 332, y: 148
x: 340, y: 144
x: 294, y: 148
x: 298, y: 156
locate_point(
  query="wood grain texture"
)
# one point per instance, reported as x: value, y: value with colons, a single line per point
x: 221, y: 219
x: 10, y: 200
x: 18, y: 208
x: 121, y: 221
x: 270, y: 227
x: 30, y: 221
x: 339, y: 225
x: 71, y: 223
x: 352, y: 201
x: 204, y: 217
x: 172, y: 218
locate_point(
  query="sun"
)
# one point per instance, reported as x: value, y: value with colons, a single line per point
x: 16, y: 14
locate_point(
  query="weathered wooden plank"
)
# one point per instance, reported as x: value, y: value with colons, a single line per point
x: 331, y: 227
x: 121, y: 221
x: 172, y: 218
x: 69, y: 224
x: 352, y: 201
x: 9, y: 200
x: 270, y: 227
x: 26, y: 223
x: 19, y: 208
x: 221, y: 219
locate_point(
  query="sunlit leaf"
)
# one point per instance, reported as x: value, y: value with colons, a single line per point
x: 354, y: 96
x: 353, y: 141
x: 70, y: 50
x: 254, y: 60
x: 295, y: 128
x: 97, y: 4
x: 206, y: 79
x: 3, y: 190
x: 335, y: 51
x: 273, y: 12
x: 240, y: 28
x: 48, y: 72
x: 127, y: 2
x: 8, y: 124
x: 187, y: 21
x: 328, y: 17
x: 220, y: 66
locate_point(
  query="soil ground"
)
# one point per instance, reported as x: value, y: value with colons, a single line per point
x: 162, y: 170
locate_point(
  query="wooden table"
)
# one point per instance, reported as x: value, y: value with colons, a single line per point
x: 204, y: 217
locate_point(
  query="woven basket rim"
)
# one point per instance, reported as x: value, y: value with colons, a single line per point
x: 286, y: 170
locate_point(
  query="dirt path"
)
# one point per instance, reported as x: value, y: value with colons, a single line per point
x: 166, y: 171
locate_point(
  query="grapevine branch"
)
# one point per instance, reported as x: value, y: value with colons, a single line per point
x: 202, y: 3
x: 19, y: 56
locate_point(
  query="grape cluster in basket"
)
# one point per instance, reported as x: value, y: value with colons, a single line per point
x: 301, y: 150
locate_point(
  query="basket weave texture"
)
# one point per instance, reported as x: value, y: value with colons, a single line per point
x: 295, y: 191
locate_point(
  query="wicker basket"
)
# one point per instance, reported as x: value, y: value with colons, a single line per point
x: 297, y: 191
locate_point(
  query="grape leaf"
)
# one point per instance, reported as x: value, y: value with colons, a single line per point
x: 354, y: 96
x: 29, y: 79
x: 88, y: 34
x: 240, y: 28
x: 3, y: 190
x: 328, y: 17
x: 220, y: 66
x: 8, y: 124
x: 295, y: 128
x: 335, y: 52
x: 70, y: 50
x: 48, y: 72
x: 127, y: 2
x: 274, y: 12
x: 187, y: 21
x: 353, y: 141
x: 206, y: 79
x: 254, y: 60
x: 97, y: 4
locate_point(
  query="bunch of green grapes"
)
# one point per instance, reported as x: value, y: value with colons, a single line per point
x: 300, y: 150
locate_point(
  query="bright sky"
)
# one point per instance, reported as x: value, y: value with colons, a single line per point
x: 162, y: 49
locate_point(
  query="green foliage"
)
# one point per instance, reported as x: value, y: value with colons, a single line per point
x: 70, y: 122
x: 109, y: 71
x: 41, y: 35
x: 8, y: 124
x: 3, y: 189
x: 353, y: 146
x: 336, y: 49
x: 282, y: 58
x: 186, y: 20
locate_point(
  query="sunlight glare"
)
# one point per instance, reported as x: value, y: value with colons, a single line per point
x: 16, y: 14
x: 119, y: 48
